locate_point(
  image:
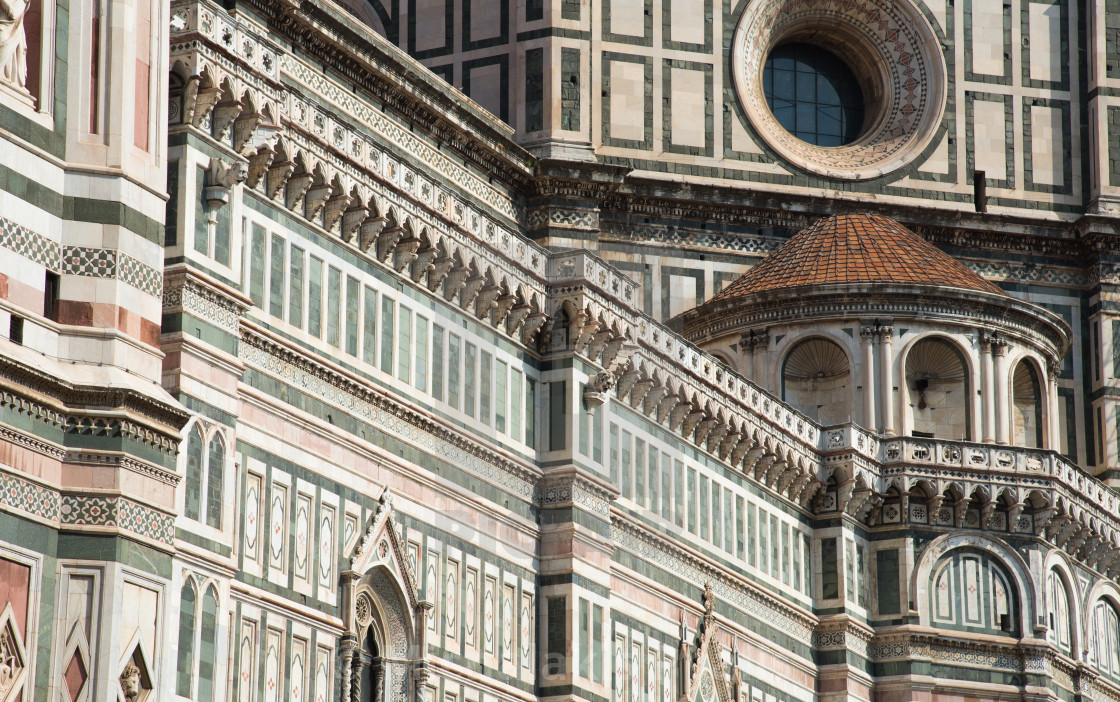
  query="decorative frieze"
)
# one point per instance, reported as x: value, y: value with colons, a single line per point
x: 63, y: 509
x: 79, y: 260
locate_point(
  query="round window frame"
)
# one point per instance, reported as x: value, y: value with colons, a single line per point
x: 891, y: 137
x: 864, y: 85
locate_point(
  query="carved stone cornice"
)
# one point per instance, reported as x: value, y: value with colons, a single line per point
x: 163, y: 475
x: 1012, y: 317
x: 585, y: 181
x: 380, y: 68
x: 119, y: 412
x: 186, y: 289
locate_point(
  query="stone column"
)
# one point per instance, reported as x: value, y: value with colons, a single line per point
x: 886, y: 380
x: 347, y: 656
x: 1003, y: 417
x: 760, y: 355
x: 746, y: 355
x: 988, y: 391
x: 867, y: 334
x: 1053, y: 430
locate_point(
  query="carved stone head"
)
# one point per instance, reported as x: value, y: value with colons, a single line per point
x: 130, y: 682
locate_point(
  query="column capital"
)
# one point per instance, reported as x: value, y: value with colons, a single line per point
x: 1053, y: 368
x: 886, y: 334
x: 754, y: 341
x: 992, y: 343
x: 867, y: 334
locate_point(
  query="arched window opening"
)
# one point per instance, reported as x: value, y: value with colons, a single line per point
x: 971, y: 591
x: 938, y: 388
x: 1027, y: 403
x: 193, y: 482
x: 215, y: 472
x: 372, y: 680
x: 816, y: 379
x: 1057, y: 613
x: 187, y: 616
x: 208, y: 652
x: 1104, y: 646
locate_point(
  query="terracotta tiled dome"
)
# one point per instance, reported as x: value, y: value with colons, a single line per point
x: 854, y: 249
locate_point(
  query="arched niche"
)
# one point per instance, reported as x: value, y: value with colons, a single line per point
x: 938, y: 389
x: 970, y: 590
x: 817, y: 380
x: 1010, y: 564
x: 384, y: 639
x: 1103, y: 629
x: 1026, y: 406
x: 384, y: 650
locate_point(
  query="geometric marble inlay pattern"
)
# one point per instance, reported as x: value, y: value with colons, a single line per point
x: 29, y: 244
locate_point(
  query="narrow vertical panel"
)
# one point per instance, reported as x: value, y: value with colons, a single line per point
x: 570, y: 79
x: 278, y: 530
x: 247, y: 658
x: 451, y: 600
x: 534, y: 89
x: 302, y: 547
x: 326, y: 547
x: 557, y: 635
x: 276, y: 278
x: 323, y: 674
x: 583, y: 628
x: 273, y: 665
x: 527, y: 629
x: 297, y: 670
x: 251, y: 525
x: 972, y: 589
x: 470, y: 608
x: 489, y: 616
x: 351, y: 321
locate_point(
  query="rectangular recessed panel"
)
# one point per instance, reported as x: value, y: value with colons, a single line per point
x: 1046, y: 41
x: 990, y: 138
x: 987, y: 37
x: 486, y: 87
x: 431, y: 24
x: 1047, y: 153
x: 972, y: 590
x: 486, y: 19
x: 682, y: 294
x: 687, y: 21
x: 628, y: 17
x: 689, y: 124
x: 627, y: 100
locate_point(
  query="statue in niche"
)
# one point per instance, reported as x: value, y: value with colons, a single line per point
x: 13, y: 43
x: 10, y: 663
x: 130, y: 677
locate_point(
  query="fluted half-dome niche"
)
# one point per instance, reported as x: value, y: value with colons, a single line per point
x: 936, y: 379
x: 1027, y: 406
x: 816, y: 379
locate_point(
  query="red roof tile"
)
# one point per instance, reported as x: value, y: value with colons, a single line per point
x: 852, y: 249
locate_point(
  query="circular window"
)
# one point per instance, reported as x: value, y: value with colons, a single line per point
x: 849, y: 89
x: 813, y: 95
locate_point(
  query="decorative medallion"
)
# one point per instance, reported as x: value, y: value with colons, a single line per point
x: 362, y: 610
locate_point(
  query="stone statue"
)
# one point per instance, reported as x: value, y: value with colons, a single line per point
x: 9, y: 662
x: 13, y: 43
x: 130, y: 676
